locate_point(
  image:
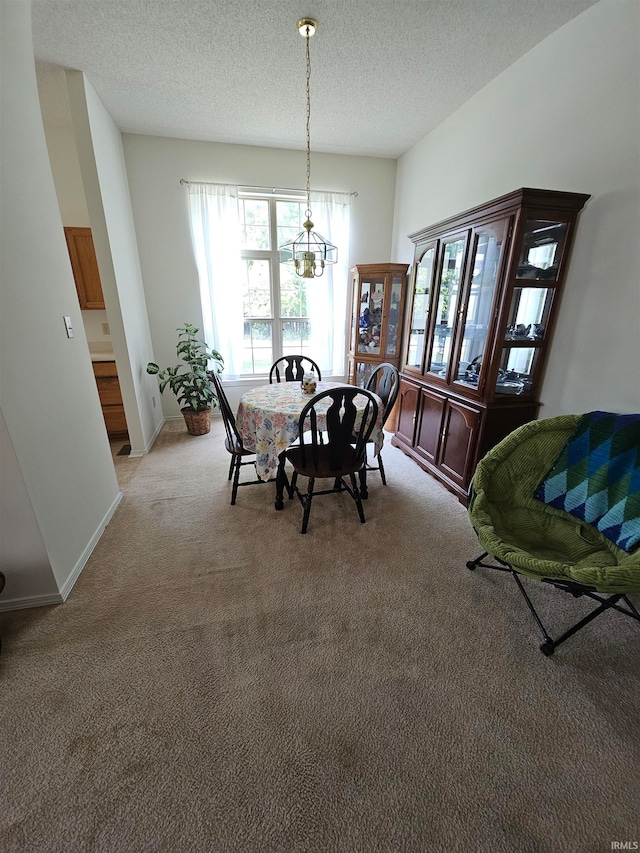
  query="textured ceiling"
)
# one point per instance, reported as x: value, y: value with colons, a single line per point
x: 383, y: 72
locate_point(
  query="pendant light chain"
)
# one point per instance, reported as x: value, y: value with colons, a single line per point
x: 308, y: 211
x: 309, y: 252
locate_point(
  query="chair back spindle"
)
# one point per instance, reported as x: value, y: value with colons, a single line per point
x: 291, y: 368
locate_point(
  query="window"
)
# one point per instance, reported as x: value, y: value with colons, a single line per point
x: 254, y: 309
x: 276, y: 317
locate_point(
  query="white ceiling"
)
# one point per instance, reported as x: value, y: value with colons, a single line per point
x: 384, y: 73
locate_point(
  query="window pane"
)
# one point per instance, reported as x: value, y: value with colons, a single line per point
x: 258, y: 349
x: 255, y: 223
x: 293, y: 293
x: 289, y: 219
x: 295, y: 336
x: 257, y: 289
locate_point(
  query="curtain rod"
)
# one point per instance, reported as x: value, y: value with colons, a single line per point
x: 273, y: 190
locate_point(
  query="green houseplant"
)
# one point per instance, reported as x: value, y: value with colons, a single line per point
x: 189, y: 380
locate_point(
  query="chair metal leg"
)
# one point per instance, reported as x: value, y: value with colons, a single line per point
x: 307, y: 505
x: 548, y: 641
x: 577, y: 590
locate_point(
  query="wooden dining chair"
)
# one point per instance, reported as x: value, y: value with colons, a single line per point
x: 385, y: 382
x: 291, y: 368
x: 335, y: 451
x: 233, y: 441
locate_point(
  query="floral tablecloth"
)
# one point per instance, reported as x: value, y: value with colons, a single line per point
x: 268, y: 416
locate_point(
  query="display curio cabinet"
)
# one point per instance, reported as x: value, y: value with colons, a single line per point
x: 377, y: 301
x: 483, y: 295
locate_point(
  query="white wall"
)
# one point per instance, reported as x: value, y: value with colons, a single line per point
x: 566, y: 116
x: 104, y: 180
x: 155, y: 166
x: 65, y: 167
x: 23, y: 556
x: 62, y: 463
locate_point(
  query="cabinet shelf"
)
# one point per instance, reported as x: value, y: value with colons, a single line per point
x: 483, y: 293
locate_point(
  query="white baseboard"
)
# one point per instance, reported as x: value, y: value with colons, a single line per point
x: 30, y: 601
x: 59, y: 598
x: 134, y: 454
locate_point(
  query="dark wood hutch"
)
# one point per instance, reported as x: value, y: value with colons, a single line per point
x: 482, y: 302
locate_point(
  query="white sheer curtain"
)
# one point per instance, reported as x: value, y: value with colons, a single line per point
x: 215, y: 232
x: 327, y: 296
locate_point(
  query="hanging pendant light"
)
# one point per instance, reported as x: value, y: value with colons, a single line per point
x: 309, y: 252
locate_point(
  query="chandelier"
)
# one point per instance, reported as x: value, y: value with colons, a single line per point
x: 308, y: 252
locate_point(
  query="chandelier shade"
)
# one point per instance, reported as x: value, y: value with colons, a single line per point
x: 309, y: 252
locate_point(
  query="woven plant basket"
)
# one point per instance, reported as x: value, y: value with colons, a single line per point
x: 198, y: 423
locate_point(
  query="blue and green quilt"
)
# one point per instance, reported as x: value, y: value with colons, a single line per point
x: 596, y: 478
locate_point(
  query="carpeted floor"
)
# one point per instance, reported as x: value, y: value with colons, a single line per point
x: 218, y: 682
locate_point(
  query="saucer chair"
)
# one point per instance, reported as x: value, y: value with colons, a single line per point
x: 526, y: 536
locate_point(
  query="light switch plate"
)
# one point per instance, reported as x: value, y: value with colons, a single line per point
x: 68, y: 327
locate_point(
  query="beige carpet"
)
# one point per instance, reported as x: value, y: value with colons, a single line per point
x: 218, y: 682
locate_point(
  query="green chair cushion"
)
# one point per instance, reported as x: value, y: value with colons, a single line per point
x: 538, y: 540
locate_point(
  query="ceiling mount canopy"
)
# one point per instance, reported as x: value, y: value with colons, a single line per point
x: 309, y: 251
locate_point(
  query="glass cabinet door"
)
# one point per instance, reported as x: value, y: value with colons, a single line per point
x: 527, y: 323
x: 447, y: 305
x: 542, y: 248
x: 395, y: 312
x: 485, y: 266
x: 517, y: 366
x: 369, y: 314
x: 529, y: 313
x: 419, y: 316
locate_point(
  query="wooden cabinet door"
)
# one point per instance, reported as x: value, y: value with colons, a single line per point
x: 85, y: 267
x: 432, y: 406
x: 407, y: 408
x: 459, y: 433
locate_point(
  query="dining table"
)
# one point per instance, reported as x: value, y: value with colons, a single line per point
x: 268, y: 423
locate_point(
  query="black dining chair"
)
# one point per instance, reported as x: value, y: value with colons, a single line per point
x: 385, y: 382
x: 291, y: 368
x: 336, y: 451
x: 233, y: 441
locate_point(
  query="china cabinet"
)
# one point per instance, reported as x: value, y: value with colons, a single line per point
x: 484, y: 292
x: 377, y: 301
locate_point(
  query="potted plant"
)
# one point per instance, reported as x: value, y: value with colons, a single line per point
x: 189, y: 380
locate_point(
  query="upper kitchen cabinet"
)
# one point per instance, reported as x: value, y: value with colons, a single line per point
x: 377, y: 302
x: 483, y: 295
x: 85, y: 267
